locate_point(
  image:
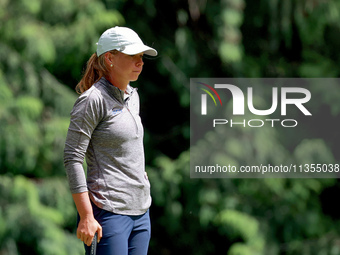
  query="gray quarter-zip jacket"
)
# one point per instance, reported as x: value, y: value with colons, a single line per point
x: 107, y: 130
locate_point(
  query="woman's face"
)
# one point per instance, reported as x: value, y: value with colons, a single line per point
x: 126, y: 68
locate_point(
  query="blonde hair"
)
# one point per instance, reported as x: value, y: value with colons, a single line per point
x: 95, y: 69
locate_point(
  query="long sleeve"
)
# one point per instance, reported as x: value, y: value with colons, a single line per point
x: 85, y: 116
x: 107, y: 131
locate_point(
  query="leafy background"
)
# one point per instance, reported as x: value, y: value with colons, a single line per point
x: 44, y: 46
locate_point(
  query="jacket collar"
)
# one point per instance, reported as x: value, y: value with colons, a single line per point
x: 117, y: 93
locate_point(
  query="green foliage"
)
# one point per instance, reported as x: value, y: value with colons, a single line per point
x: 230, y: 48
x: 31, y: 225
x: 44, y: 46
x: 39, y: 38
x: 255, y: 216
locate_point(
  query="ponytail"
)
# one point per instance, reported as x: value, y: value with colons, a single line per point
x: 95, y: 69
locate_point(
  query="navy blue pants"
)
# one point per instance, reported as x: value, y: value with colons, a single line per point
x: 122, y: 234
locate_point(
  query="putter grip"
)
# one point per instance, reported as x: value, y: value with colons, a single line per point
x: 94, y: 245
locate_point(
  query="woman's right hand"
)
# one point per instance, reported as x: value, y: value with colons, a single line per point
x: 87, y: 228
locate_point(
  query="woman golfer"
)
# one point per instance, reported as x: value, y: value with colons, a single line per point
x: 114, y: 199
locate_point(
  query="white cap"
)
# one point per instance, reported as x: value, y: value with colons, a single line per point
x: 124, y: 40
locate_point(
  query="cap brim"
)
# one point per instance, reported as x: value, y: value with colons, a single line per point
x: 139, y: 48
